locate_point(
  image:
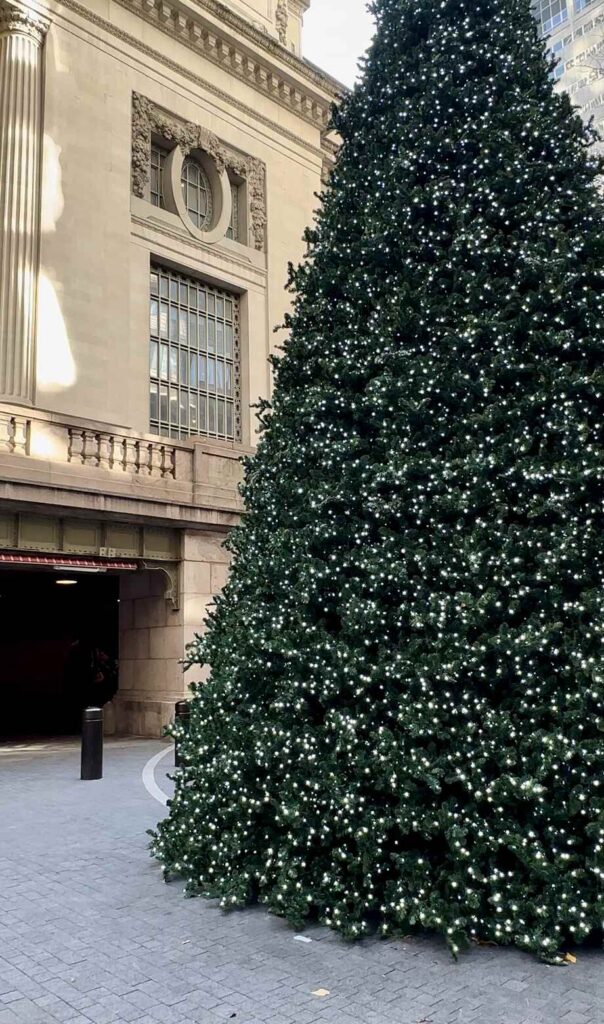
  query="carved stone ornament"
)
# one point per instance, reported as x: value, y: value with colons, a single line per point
x: 14, y: 19
x: 281, y: 19
x: 147, y: 119
x: 171, y: 572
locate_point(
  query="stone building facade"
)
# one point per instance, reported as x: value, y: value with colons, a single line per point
x: 159, y: 162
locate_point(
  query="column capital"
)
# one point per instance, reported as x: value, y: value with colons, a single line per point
x: 18, y: 20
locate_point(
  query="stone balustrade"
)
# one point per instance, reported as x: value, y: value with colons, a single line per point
x: 121, y: 453
x: 14, y: 434
x: 42, y: 446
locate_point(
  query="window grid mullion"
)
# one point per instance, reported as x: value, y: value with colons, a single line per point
x: 212, y: 353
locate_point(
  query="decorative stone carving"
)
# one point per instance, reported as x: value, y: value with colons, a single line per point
x: 147, y: 118
x: 199, y: 34
x: 21, y: 36
x: 171, y: 572
x: 19, y: 20
x: 316, y: 114
x: 281, y: 20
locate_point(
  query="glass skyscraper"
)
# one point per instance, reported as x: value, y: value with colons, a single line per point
x: 575, y: 29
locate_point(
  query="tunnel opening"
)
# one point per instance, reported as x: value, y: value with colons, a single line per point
x: 58, y: 648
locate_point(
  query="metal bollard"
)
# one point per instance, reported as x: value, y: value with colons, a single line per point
x: 183, y: 713
x: 92, y: 744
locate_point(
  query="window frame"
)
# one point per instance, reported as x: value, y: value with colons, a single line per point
x: 194, y: 358
x: 555, y: 18
x: 158, y: 153
x: 202, y: 189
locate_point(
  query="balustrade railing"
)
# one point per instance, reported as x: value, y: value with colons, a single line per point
x: 121, y: 453
x: 14, y: 434
x: 186, y: 470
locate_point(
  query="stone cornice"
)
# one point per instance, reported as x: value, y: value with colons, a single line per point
x: 197, y: 80
x: 15, y: 19
x: 323, y: 81
x: 202, y: 36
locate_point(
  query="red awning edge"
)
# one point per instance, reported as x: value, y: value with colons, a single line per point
x: 65, y: 562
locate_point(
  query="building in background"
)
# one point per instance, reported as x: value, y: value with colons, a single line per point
x: 159, y: 162
x: 576, y: 35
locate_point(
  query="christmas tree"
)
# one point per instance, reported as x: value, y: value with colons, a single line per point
x: 404, y: 720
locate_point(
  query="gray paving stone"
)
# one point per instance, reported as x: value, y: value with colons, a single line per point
x: 8, y: 1017
x: 89, y: 934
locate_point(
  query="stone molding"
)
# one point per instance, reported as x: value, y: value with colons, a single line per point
x: 240, y: 24
x: 171, y: 579
x: 220, y: 186
x: 179, y: 69
x: 151, y: 225
x: 203, y: 37
x: 148, y: 118
x: 15, y: 19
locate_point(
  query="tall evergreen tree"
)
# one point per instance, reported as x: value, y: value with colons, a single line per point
x: 404, y: 721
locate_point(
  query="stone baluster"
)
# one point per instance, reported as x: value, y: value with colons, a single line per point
x: 6, y: 432
x: 130, y: 463
x: 22, y: 33
x: 157, y: 459
x: 21, y: 435
x: 144, y: 455
x: 105, y: 450
x: 116, y: 458
x: 169, y: 462
x: 90, y: 454
x: 75, y: 446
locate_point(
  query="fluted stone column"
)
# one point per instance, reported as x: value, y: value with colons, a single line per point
x: 22, y: 35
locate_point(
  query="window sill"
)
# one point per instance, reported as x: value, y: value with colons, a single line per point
x: 154, y: 217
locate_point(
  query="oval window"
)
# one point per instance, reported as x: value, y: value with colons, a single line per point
x: 197, y: 193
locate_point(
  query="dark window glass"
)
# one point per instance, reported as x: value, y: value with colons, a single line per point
x: 233, y: 228
x: 156, y: 175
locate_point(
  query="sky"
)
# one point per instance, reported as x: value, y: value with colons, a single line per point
x: 336, y: 33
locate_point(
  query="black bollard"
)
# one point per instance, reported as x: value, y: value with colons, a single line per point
x: 183, y: 712
x: 92, y: 744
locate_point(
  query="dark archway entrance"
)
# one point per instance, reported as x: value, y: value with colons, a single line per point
x: 42, y: 614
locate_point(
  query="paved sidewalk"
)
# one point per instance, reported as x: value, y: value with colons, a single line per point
x: 89, y: 932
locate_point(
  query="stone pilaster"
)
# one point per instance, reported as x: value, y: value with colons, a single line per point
x: 22, y: 35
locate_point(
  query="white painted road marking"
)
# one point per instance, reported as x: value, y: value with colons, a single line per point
x: 149, y: 776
